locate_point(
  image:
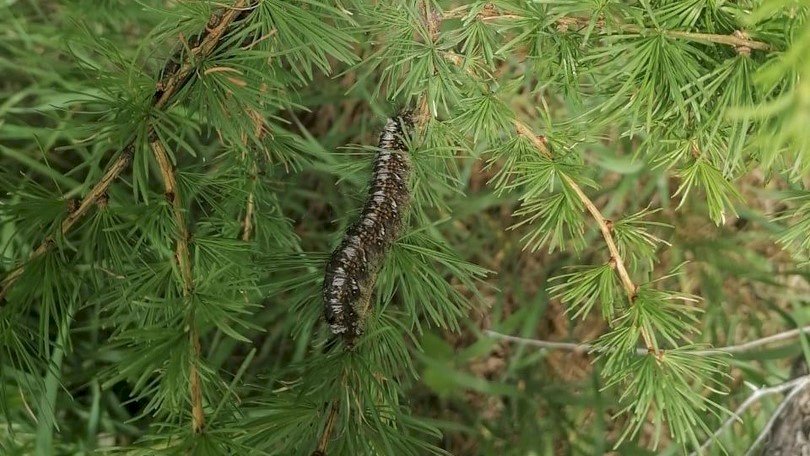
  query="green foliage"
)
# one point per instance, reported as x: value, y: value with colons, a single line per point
x: 565, y: 152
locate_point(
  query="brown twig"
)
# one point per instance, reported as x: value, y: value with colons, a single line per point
x: 95, y: 194
x: 172, y: 82
x: 250, y: 207
x: 605, y: 227
x: 183, y: 260
x: 247, y: 222
x: 323, y: 440
x: 739, y: 40
x: 166, y: 88
x: 432, y: 22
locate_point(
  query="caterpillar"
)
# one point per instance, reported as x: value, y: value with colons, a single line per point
x: 352, y: 268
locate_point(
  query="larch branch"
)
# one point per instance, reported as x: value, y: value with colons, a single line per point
x: 183, y: 261
x: 323, y: 440
x: 167, y: 88
x: 605, y: 226
x: 739, y: 39
x: 92, y: 197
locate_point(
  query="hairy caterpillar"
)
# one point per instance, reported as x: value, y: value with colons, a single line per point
x: 352, y: 269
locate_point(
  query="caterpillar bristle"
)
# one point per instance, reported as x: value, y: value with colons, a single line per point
x: 352, y: 268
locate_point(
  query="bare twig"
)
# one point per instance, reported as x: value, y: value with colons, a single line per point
x: 748, y: 346
x: 763, y: 434
x: 588, y: 347
x: 570, y: 346
x: 793, y: 385
x: 171, y: 83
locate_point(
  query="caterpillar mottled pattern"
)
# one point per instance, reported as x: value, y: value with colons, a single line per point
x: 352, y: 268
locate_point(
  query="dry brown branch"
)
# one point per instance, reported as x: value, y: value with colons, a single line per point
x: 171, y: 83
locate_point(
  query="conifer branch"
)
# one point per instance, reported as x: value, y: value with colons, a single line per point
x: 247, y: 221
x: 605, y: 227
x: 166, y: 88
x: 431, y: 20
x: 183, y: 260
x: 323, y: 440
x: 95, y: 195
x: 250, y: 205
x: 739, y: 39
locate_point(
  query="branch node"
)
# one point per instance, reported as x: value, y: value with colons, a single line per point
x: 72, y: 205
x: 103, y: 200
x: 742, y: 49
x: 563, y: 23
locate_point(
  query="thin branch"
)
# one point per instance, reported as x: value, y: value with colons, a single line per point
x: 247, y: 222
x: 763, y: 434
x: 582, y: 347
x: 250, y: 205
x: 170, y: 84
x: 758, y: 393
x: 323, y: 440
x: 432, y: 22
x: 84, y: 206
x: 605, y: 227
x: 748, y: 346
x: 795, y: 385
x: 183, y: 260
x: 739, y: 40
x: 166, y: 89
x: 570, y: 346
